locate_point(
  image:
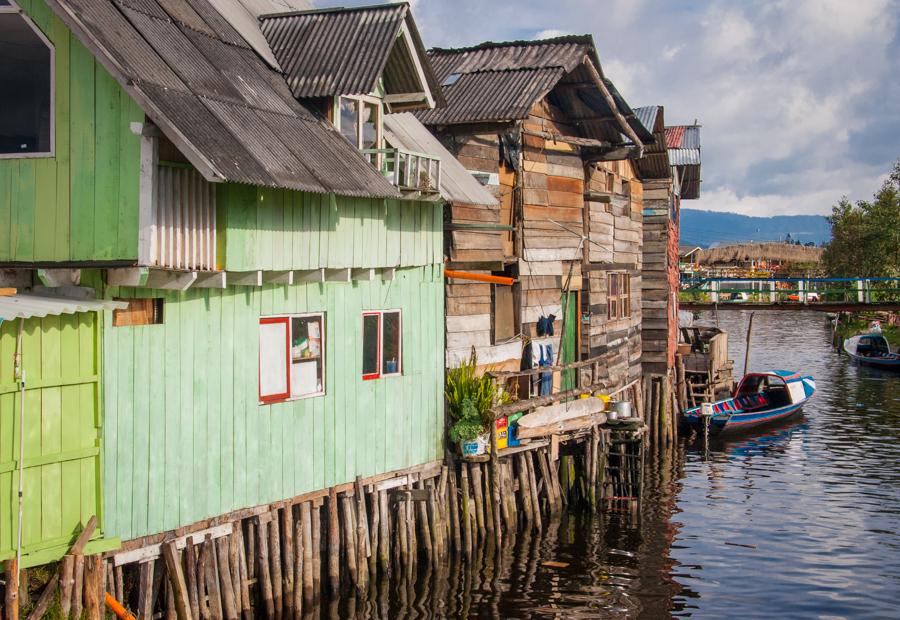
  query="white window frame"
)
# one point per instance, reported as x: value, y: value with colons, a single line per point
x: 13, y: 8
x: 290, y: 397
x: 381, y: 374
x: 360, y: 100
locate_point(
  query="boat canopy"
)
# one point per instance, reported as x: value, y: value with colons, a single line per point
x: 780, y: 387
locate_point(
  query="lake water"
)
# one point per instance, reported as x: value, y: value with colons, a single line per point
x: 801, y: 520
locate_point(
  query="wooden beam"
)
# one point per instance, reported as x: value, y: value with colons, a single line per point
x: 362, y: 275
x: 211, y: 279
x: 278, y: 277
x: 589, y: 142
x: 245, y: 278
x: 337, y: 275
x: 171, y: 280
x: 419, y: 97
x: 59, y: 277
x: 127, y: 276
x: 598, y: 197
x: 310, y: 275
x: 598, y: 81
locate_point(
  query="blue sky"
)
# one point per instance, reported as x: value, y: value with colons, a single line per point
x: 799, y: 99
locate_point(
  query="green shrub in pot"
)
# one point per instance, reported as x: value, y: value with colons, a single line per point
x: 469, y: 401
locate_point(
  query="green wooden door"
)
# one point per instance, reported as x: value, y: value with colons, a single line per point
x: 62, y: 434
x: 569, y: 340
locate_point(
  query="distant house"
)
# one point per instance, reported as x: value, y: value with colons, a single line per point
x: 270, y: 303
x: 542, y: 127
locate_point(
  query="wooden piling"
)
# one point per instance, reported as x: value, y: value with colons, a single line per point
x: 466, y: 510
x: 349, y: 536
x: 317, y: 551
x: 532, y: 484
x: 180, y: 597
x: 213, y: 590
x: 297, y: 570
x: 145, y: 590
x: 384, y: 535
x: 334, y: 543
x: 226, y: 582
x: 190, y: 574
x: 374, y: 513
x: 287, y: 556
x: 453, y: 506
x: 424, y: 525
x: 306, y: 526
x: 478, y: 494
x: 277, y: 573
x: 263, y: 575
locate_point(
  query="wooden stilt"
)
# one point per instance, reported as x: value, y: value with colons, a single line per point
x: 180, y: 598
x: 297, y: 570
x: 374, y: 514
x: 202, y: 598
x: 275, y: 565
x: 434, y: 518
x: 532, y: 484
x: 334, y: 544
x: 466, y: 510
x: 478, y: 495
x: 453, y: 509
x: 92, y: 569
x: 225, y: 581
x: 145, y: 590
x: 66, y: 584
x: 362, y: 536
x: 524, y: 489
x: 317, y: 552
x: 234, y: 565
x: 171, y: 612
x: 306, y: 523
x: 349, y: 536
x: 190, y: 561
x: 287, y: 556
x: 384, y: 535
x: 213, y: 591
x: 243, y: 572
x: 262, y: 566
x: 424, y: 525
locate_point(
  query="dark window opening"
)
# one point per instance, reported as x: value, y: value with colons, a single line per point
x: 26, y: 89
x: 382, y: 344
x: 139, y: 312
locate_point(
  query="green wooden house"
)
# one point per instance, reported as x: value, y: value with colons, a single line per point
x: 279, y: 325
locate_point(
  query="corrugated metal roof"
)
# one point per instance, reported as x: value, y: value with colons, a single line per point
x: 684, y: 157
x: 493, y: 96
x: 647, y: 116
x: 458, y: 186
x: 202, y: 84
x: 683, y: 136
x: 344, y: 51
x: 502, y: 81
x: 684, y: 153
x: 26, y: 306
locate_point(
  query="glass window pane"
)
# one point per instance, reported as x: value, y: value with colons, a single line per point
x: 370, y: 345
x: 25, y: 89
x: 391, y: 343
x: 350, y: 120
x: 273, y: 352
x: 370, y: 126
x: 307, y: 356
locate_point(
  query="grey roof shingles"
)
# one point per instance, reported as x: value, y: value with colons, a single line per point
x: 203, y: 85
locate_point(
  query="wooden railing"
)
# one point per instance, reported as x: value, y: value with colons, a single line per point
x: 408, y: 170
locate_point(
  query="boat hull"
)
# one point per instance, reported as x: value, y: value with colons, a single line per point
x: 877, y: 362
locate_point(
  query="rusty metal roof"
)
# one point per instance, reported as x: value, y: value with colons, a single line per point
x: 344, y: 51
x: 230, y: 114
x: 498, y: 82
x: 683, y: 142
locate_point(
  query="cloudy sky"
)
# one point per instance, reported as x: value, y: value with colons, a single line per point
x: 799, y: 99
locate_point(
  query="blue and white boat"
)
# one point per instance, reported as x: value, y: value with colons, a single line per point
x: 872, y: 350
x: 760, y: 398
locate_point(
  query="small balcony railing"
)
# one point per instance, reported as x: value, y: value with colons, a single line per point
x: 407, y: 170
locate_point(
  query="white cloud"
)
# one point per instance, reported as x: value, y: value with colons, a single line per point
x: 550, y: 33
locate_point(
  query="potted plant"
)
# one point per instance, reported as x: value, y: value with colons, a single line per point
x: 469, y: 401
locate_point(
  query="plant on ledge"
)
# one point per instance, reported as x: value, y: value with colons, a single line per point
x: 469, y: 401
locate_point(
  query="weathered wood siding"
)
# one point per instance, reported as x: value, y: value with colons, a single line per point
x: 273, y: 229
x: 81, y: 204
x: 62, y: 434
x: 660, y: 277
x: 186, y: 437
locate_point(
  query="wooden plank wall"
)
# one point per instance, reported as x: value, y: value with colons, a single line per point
x: 62, y: 435
x: 660, y: 277
x: 552, y: 189
x: 616, y: 233
x: 81, y: 204
x: 274, y: 229
x: 185, y: 435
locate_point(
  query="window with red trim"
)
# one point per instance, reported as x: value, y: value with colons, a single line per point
x: 291, y: 357
x: 382, y: 344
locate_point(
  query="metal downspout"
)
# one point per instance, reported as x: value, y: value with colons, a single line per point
x: 20, y: 377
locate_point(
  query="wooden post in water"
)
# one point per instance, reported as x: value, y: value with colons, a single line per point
x: 747, y: 352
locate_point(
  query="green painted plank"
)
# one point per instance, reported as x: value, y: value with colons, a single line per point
x: 171, y: 402
x: 214, y: 386
x: 128, y: 209
x: 7, y: 169
x: 83, y: 132
x: 105, y: 215
x: 154, y: 336
x: 22, y: 223
x: 62, y: 40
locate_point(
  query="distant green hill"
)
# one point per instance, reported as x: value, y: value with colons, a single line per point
x: 706, y: 228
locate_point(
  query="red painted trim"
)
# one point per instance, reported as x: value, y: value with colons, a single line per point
x: 281, y: 396
x: 377, y: 373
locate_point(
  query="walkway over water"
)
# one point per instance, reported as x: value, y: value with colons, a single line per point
x: 824, y: 294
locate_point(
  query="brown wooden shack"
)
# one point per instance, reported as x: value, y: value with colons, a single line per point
x: 542, y: 127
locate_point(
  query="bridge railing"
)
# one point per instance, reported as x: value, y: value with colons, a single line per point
x: 791, y: 290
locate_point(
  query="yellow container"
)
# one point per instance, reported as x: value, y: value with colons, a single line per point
x: 502, y: 433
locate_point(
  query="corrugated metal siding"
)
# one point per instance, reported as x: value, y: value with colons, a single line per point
x: 186, y: 439
x: 458, y: 186
x: 185, y: 221
x: 674, y: 136
x: 205, y: 82
x: 647, y: 116
x: 493, y: 96
x: 684, y: 157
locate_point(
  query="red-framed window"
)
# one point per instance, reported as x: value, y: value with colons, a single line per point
x: 382, y: 344
x: 291, y: 357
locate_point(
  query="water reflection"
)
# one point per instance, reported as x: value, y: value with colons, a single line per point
x: 800, y: 520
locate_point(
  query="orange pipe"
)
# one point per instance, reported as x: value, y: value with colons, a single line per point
x: 479, y: 277
x: 117, y: 608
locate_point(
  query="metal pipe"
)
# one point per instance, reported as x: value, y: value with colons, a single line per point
x: 20, y: 377
x: 478, y: 277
